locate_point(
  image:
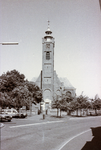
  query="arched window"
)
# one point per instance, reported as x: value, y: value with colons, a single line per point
x: 47, y: 94
x: 47, y: 55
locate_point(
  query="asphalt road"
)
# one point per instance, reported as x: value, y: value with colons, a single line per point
x: 34, y: 133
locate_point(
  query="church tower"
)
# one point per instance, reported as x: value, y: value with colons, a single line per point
x: 52, y: 86
x: 48, y: 65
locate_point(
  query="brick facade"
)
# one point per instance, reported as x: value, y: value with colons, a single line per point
x: 48, y: 80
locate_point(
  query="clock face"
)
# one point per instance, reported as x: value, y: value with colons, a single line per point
x: 48, y: 46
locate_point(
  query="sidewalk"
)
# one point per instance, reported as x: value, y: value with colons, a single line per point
x: 38, y: 118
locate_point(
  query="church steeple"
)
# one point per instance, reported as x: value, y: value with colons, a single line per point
x: 48, y: 64
x: 48, y: 80
x: 48, y: 32
x: 48, y: 29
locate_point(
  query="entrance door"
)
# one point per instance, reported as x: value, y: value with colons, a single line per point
x: 47, y: 94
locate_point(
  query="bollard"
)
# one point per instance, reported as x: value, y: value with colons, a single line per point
x: 46, y: 111
x: 43, y: 116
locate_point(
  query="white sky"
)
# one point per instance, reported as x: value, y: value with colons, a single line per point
x: 76, y: 27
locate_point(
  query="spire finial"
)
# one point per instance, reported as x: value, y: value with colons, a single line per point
x: 48, y: 28
x: 48, y: 23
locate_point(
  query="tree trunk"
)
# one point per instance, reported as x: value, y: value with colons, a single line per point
x: 30, y: 108
x: 83, y: 112
x: 80, y: 112
x: 69, y: 112
x: 57, y: 112
x: 60, y: 112
x: 40, y: 107
x: 87, y: 112
x: 96, y: 112
x: 77, y: 112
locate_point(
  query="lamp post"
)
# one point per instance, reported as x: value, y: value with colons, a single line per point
x: 43, y: 110
x: 9, y: 43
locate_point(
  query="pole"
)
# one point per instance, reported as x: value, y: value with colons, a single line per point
x: 30, y: 108
x: 44, y: 110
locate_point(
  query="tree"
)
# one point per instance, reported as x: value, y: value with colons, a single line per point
x: 96, y: 103
x: 67, y: 101
x: 18, y: 92
x: 5, y: 100
x: 35, y: 90
x: 62, y: 102
x: 21, y: 97
x: 38, y: 96
x: 72, y: 106
x: 10, y: 80
x: 56, y: 104
x: 83, y: 103
x: 79, y: 103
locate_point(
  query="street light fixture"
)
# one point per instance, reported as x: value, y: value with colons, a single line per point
x: 9, y: 43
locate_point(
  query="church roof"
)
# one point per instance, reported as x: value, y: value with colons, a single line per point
x: 64, y: 80
x: 34, y: 79
x: 66, y: 83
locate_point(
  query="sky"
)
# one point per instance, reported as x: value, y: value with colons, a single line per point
x: 76, y: 27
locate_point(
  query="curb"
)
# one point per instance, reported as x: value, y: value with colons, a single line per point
x: 1, y: 125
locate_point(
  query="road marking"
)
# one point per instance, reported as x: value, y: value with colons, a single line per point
x: 91, y: 117
x: 26, y: 125
x: 73, y: 138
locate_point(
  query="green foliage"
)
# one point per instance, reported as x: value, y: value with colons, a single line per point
x: 15, y: 91
x: 35, y: 91
x: 62, y: 102
x: 96, y: 103
x: 10, y: 80
x: 20, y: 96
x: 68, y: 103
x: 83, y: 102
x: 4, y: 99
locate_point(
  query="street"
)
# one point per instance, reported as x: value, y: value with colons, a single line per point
x: 34, y: 133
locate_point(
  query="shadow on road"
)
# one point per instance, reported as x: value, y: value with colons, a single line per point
x: 53, y: 116
x: 95, y: 143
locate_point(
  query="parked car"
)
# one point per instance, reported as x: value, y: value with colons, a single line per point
x: 5, y: 117
x: 12, y: 112
x: 22, y: 115
x: 15, y: 114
